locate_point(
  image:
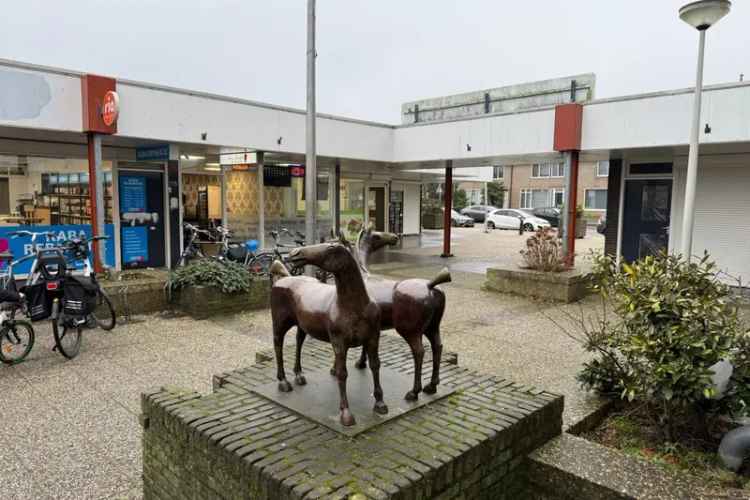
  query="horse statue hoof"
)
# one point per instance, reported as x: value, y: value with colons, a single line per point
x: 300, y: 380
x: 360, y: 365
x: 380, y: 408
x: 285, y: 386
x: 411, y: 396
x: 430, y: 389
x: 347, y: 419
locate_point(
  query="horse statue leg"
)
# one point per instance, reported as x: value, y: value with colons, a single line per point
x: 362, y: 362
x: 346, y: 417
x: 280, y: 328
x: 417, y: 352
x: 436, y: 345
x: 299, y: 379
x: 372, y: 352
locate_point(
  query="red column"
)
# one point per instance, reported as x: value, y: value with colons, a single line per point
x: 448, y: 197
x: 572, y: 208
x: 92, y: 154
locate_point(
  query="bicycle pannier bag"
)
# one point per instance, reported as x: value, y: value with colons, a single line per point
x: 38, y: 300
x: 79, y: 296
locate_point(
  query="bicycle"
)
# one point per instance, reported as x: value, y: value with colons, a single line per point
x: 79, y: 250
x: 16, y: 336
x: 299, y: 240
x: 192, y: 250
x: 43, y: 291
x: 245, y: 254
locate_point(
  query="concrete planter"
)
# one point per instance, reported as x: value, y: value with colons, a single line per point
x: 432, y: 219
x: 567, y: 286
x: 201, y: 302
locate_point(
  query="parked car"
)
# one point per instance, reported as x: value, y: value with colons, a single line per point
x: 458, y: 220
x: 511, y: 218
x: 601, y: 227
x: 550, y: 214
x: 478, y: 212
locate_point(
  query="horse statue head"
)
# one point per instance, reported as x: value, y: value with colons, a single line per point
x: 331, y: 256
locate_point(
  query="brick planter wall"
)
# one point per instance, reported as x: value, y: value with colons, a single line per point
x: 237, y: 444
x: 202, y: 302
x: 567, y: 286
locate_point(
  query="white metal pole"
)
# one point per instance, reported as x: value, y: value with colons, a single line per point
x: 99, y: 181
x: 311, y: 171
x: 688, y: 213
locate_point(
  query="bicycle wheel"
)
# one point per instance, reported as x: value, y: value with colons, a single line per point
x: 261, y: 264
x: 16, y: 341
x: 67, y: 338
x: 104, y: 314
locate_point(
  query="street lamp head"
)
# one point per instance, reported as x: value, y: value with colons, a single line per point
x: 703, y: 14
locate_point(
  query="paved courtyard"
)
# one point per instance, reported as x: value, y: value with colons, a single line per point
x: 70, y: 429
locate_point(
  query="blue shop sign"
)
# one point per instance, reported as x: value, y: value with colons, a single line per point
x: 152, y: 153
x: 22, y: 245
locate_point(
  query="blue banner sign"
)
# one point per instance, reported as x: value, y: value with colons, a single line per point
x: 152, y: 153
x: 132, y: 193
x: 134, y: 244
x: 22, y: 245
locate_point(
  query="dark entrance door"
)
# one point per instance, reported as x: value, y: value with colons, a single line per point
x: 376, y: 207
x: 646, y: 219
x: 4, y: 196
x: 141, y: 196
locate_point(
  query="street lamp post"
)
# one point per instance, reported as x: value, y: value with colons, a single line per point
x: 700, y: 15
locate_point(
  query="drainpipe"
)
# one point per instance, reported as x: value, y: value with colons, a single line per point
x: 448, y: 198
x: 261, y: 162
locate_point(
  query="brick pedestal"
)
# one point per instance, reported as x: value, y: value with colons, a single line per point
x: 235, y: 443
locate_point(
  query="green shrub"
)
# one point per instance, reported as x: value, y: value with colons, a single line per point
x: 229, y: 277
x: 672, y: 321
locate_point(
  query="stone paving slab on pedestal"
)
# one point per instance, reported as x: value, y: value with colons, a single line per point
x: 235, y: 443
x: 318, y: 400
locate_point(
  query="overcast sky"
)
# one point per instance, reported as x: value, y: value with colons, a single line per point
x: 374, y: 55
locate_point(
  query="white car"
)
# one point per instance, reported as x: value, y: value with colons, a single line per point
x: 510, y: 218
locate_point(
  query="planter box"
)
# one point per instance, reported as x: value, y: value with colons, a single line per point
x: 581, y: 226
x: 202, y: 302
x: 432, y: 219
x: 567, y: 286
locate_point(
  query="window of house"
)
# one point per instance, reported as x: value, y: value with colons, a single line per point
x: 534, y: 198
x: 596, y: 199
x: 497, y: 172
x: 602, y: 168
x: 558, y: 197
x: 548, y: 170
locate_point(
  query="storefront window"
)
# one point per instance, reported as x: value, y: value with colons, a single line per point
x: 49, y: 194
x: 286, y: 204
x: 352, y: 200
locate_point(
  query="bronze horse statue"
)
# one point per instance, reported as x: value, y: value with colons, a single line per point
x: 413, y: 307
x: 342, y: 314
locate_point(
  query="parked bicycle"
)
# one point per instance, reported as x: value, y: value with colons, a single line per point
x: 192, y: 249
x: 245, y: 253
x: 78, y: 251
x: 50, y: 292
x: 16, y: 335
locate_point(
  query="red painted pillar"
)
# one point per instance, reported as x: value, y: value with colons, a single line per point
x: 572, y: 208
x: 94, y: 157
x: 448, y: 198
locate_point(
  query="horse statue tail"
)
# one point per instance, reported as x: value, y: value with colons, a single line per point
x: 278, y: 271
x: 443, y: 276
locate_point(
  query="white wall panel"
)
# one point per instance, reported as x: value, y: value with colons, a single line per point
x: 722, y: 203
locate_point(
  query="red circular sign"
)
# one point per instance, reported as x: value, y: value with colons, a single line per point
x: 110, y: 108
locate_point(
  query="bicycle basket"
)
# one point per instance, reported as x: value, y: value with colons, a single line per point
x: 79, y: 296
x: 38, y: 301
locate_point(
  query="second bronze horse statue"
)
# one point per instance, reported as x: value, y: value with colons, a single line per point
x: 413, y: 307
x: 343, y: 315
